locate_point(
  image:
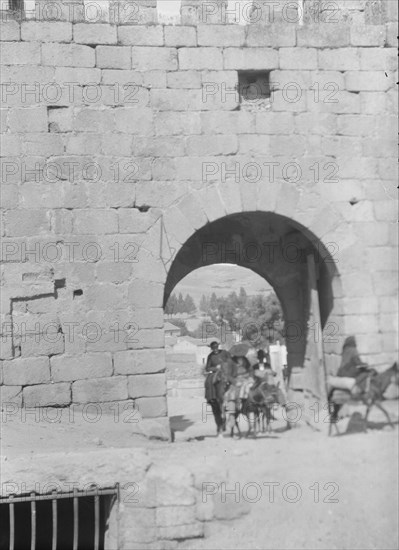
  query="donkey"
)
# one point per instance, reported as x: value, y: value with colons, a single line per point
x: 371, y: 393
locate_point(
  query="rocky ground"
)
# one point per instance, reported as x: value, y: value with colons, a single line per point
x: 329, y: 493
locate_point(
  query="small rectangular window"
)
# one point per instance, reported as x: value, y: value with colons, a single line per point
x: 254, y: 90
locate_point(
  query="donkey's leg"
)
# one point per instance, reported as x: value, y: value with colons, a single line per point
x: 237, y: 425
x: 333, y: 410
x: 379, y: 406
x: 269, y: 416
x: 369, y: 406
x: 251, y: 423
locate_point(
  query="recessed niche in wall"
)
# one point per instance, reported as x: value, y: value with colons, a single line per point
x: 254, y: 90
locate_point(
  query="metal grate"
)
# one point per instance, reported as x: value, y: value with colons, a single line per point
x: 58, y: 521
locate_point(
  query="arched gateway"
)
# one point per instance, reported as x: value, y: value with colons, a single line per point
x: 300, y: 262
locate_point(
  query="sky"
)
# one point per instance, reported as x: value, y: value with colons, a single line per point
x: 221, y: 279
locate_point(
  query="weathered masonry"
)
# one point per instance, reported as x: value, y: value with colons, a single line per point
x: 138, y: 148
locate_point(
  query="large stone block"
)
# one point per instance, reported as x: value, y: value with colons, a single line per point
x: 145, y: 294
x: 174, y: 486
x: 113, y: 57
x: 139, y: 361
x: 367, y: 35
x: 153, y: 407
x: 90, y: 365
x: 355, y: 125
x: 141, y: 35
x: 50, y: 31
x: 86, y: 33
x: 152, y: 58
x: 177, y: 123
x: 28, y: 120
x: 147, y: 385
x: 200, y: 59
x: 10, y: 31
x: 231, y: 122
x: 19, y: 224
x: 340, y: 59
x: 42, y: 344
x: 254, y: 144
x: 42, y: 144
x: 45, y: 395
x: 97, y: 390
x: 184, y: 79
x: 82, y: 76
x: 366, y: 324
x: 357, y: 284
x: 26, y: 371
x: 158, y: 146
x: 276, y: 35
x: 95, y: 222
x: 180, y: 36
x: 378, y: 59
x: 20, y: 53
x: 368, y: 81
x: 212, y: 145
x: 250, y: 58
x: 298, y: 58
x: 323, y: 35
x: 221, y: 35
x: 134, y: 121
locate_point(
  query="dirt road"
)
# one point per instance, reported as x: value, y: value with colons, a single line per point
x: 300, y: 489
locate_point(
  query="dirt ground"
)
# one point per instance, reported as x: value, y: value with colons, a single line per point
x: 342, y: 492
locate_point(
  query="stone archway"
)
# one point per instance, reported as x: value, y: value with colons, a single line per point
x: 277, y: 249
x: 219, y: 223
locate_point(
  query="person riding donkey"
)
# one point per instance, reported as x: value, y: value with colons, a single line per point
x: 220, y: 374
x: 236, y: 395
x: 353, y: 374
x: 264, y: 374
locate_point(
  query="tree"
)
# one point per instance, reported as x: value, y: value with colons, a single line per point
x: 171, y: 305
x: 213, y: 302
x: 204, y: 304
x: 189, y: 304
x: 242, y: 298
x: 181, y: 307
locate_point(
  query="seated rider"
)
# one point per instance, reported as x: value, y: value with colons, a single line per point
x: 263, y: 371
x: 242, y: 380
x: 353, y: 371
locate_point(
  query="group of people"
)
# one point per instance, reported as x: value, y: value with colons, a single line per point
x: 230, y: 379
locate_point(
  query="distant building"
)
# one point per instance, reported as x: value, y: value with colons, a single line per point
x: 172, y: 330
x: 196, y: 346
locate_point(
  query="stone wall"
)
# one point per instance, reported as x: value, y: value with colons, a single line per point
x: 161, y: 503
x: 106, y: 129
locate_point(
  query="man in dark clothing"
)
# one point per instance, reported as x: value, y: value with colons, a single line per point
x: 353, y: 372
x: 214, y: 384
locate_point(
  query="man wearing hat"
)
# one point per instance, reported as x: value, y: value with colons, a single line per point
x: 214, y: 386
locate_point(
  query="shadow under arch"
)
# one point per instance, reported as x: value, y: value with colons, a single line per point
x: 274, y: 247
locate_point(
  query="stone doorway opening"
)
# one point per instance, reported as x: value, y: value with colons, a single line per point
x: 222, y: 302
